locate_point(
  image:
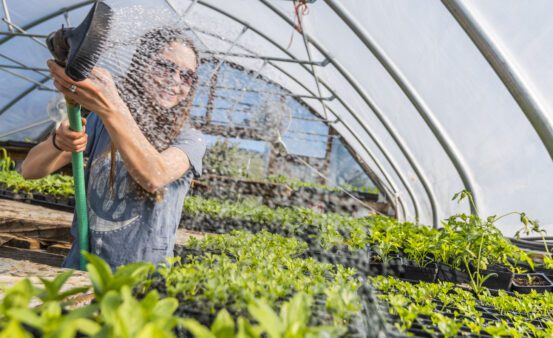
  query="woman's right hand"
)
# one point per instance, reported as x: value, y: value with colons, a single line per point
x: 69, y: 140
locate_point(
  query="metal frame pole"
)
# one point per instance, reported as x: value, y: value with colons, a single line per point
x: 38, y: 83
x: 415, y: 202
x: 29, y: 35
x: 48, y: 17
x: 27, y: 127
x: 7, y: 14
x: 370, y: 102
x: 39, y: 70
x: 503, y: 66
x: 79, y: 5
x: 264, y: 58
x: 410, y: 92
x: 22, y: 95
x: 21, y: 30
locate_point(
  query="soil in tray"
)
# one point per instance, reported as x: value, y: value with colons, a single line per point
x: 534, y: 280
x: 538, y: 282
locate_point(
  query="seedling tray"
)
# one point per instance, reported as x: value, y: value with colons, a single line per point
x: 220, y: 225
x: 544, y: 283
x: 58, y: 203
x: 417, y: 273
x: 423, y: 326
x: 446, y: 273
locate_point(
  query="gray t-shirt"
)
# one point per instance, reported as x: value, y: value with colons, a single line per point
x: 125, y: 225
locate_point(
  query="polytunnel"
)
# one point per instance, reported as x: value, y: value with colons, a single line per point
x: 408, y: 103
x: 434, y: 98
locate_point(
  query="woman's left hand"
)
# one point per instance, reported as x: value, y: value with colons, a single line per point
x: 97, y: 93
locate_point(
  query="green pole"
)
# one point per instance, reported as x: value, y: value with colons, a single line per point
x: 74, y: 114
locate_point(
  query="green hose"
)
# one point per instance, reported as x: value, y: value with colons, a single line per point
x: 74, y: 114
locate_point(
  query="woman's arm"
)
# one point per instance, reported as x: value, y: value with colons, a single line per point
x: 151, y: 169
x: 44, y: 158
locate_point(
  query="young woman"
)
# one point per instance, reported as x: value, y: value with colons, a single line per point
x: 141, y: 151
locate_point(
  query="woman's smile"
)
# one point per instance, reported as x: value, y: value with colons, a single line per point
x: 172, y: 75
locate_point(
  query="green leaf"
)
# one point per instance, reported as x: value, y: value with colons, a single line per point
x: 150, y: 301
x: 197, y: 329
x: 130, y: 313
x: 247, y: 330
x: 109, y: 305
x: 72, y: 292
x: 99, y: 273
x: 136, y: 270
x: 165, y: 307
x: 298, y: 310
x: 61, y: 279
x: 223, y: 326
x: 524, y: 219
x: 28, y: 317
x: 267, y: 318
x: 151, y: 330
x: 85, y: 326
x: 87, y: 311
x: 14, y: 330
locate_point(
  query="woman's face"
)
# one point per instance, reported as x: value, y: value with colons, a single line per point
x: 172, y: 74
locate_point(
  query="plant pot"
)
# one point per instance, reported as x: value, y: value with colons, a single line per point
x: 50, y: 199
x: 446, y: 273
x: 6, y: 193
x: 540, y: 283
x: 18, y: 196
x: 501, y: 281
x: 393, y: 267
x: 413, y: 272
x: 39, y: 197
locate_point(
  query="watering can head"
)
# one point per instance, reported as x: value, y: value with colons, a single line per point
x: 78, y: 49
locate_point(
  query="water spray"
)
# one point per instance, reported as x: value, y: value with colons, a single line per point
x: 78, y: 49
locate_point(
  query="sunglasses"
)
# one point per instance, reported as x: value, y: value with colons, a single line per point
x: 167, y: 68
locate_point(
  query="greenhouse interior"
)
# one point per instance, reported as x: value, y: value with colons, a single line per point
x: 276, y: 168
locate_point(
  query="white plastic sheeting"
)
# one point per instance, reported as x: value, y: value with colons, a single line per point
x: 429, y: 90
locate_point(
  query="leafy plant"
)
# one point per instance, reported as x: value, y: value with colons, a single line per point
x: 125, y: 316
x: 296, y: 184
x: 27, y: 311
x: 6, y: 163
x: 103, y: 280
x: 54, y: 185
x: 51, y: 321
x: 450, y: 308
x: 256, y: 266
x: 227, y: 159
x: 292, y: 322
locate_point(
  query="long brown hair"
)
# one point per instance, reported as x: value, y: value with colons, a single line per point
x: 160, y: 126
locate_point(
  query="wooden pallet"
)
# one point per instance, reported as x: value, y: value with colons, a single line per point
x: 42, y: 235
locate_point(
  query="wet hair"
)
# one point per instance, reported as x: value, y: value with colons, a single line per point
x: 160, y: 126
